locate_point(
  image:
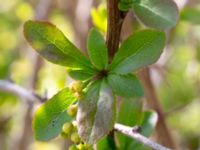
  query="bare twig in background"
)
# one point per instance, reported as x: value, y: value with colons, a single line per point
x: 162, y: 130
x: 128, y: 131
x: 23, y: 93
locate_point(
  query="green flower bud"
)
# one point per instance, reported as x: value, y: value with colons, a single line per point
x: 84, y: 147
x: 79, y: 95
x: 75, y: 137
x: 72, y: 110
x: 76, y: 86
x: 64, y: 135
x: 73, y: 147
x: 67, y: 128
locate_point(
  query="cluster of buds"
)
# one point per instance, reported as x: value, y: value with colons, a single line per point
x: 77, y: 88
x: 69, y: 129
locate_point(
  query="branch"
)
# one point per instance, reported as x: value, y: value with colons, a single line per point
x: 29, y: 96
x: 129, y: 131
x: 115, y: 21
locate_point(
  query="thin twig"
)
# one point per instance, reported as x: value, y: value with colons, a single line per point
x: 138, y: 137
x: 13, y: 88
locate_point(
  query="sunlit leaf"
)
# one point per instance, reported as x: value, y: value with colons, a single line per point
x: 97, y: 49
x: 125, y: 85
x: 161, y: 14
x: 50, y: 116
x: 51, y: 44
x: 99, y: 17
x: 139, y: 50
x: 96, y: 112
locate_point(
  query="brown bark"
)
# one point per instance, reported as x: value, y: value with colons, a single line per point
x: 115, y: 21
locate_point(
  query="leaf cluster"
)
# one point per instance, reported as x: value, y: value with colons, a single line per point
x: 99, y: 81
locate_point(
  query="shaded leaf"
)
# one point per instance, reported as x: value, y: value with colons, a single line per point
x: 149, y: 122
x: 148, y: 125
x: 97, y: 49
x: 139, y: 50
x: 125, y: 5
x: 125, y: 85
x: 106, y: 143
x: 50, y: 116
x: 130, y: 114
x: 161, y: 14
x: 51, y: 44
x: 96, y: 112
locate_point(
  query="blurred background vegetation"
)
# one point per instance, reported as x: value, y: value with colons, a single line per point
x: 176, y: 75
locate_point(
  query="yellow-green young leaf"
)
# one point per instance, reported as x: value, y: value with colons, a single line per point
x: 140, y: 50
x: 97, y: 49
x: 80, y: 74
x: 125, y: 85
x: 99, y: 17
x: 51, y: 44
x: 161, y: 14
x: 96, y: 112
x: 50, y: 116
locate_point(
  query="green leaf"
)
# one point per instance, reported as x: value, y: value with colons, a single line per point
x: 106, y: 143
x: 161, y: 14
x: 96, y: 112
x: 125, y: 85
x: 50, y: 116
x: 148, y: 125
x: 97, y: 49
x: 130, y: 114
x: 80, y: 74
x: 125, y: 5
x: 191, y: 15
x: 51, y: 44
x: 139, y: 50
x: 149, y: 122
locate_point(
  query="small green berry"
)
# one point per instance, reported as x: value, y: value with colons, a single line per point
x: 72, y: 110
x: 67, y: 128
x: 73, y: 147
x: 84, y: 147
x: 75, y: 137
